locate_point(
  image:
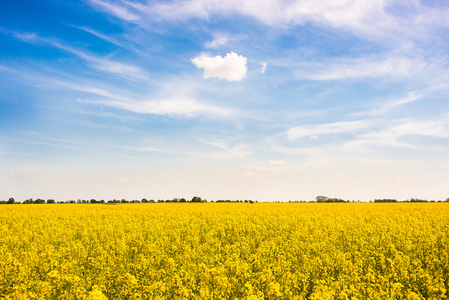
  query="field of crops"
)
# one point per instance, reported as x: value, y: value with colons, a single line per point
x: 225, y: 251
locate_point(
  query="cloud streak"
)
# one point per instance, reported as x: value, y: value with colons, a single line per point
x: 115, y: 10
x: 351, y: 127
x: 99, y: 63
x: 359, y: 68
x: 368, y: 19
x: 175, y: 107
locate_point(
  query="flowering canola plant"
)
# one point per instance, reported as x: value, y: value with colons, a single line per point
x: 225, y: 251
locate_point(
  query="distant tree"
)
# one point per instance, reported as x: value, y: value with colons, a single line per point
x: 321, y: 198
x: 10, y: 201
x: 93, y: 201
x: 182, y: 200
x: 39, y: 201
x: 50, y: 201
x: 196, y: 199
x: 385, y: 200
x: 417, y: 200
x: 144, y: 200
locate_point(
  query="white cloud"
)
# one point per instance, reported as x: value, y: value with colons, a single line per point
x: 376, y: 19
x: 220, y: 39
x: 393, y: 104
x: 113, y: 67
x: 276, y: 162
x: 115, y: 10
x: 236, y: 152
x: 181, y: 107
x: 377, y: 132
x: 12, y: 174
x: 232, y: 67
x: 393, y: 134
x: 142, y: 149
x: 105, y: 37
x: 258, y: 173
x: 259, y: 169
x: 227, y: 151
x: 371, y: 19
x: 329, y: 128
x: 28, y: 37
x: 433, y: 128
x: 263, y: 69
x: 362, y: 67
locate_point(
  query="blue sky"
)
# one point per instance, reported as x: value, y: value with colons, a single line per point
x: 265, y: 100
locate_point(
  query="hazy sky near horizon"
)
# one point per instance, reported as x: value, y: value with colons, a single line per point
x: 252, y: 99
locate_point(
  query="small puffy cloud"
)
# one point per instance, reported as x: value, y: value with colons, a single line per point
x: 219, y: 40
x: 232, y: 67
x: 258, y: 173
x: 263, y: 69
x: 12, y: 174
x: 276, y: 162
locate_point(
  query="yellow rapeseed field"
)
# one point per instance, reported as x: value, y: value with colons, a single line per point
x: 225, y: 251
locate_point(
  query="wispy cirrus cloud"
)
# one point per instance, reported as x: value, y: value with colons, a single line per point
x: 261, y: 171
x: 394, y: 134
x: 220, y: 39
x: 276, y: 162
x: 376, y: 132
x: 174, y: 98
x: 369, y: 19
x: 228, y: 150
x: 102, y: 36
x: 176, y: 107
x: 99, y: 63
x: 116, y: 10
x: 329, y: 128
x: 359, y: 68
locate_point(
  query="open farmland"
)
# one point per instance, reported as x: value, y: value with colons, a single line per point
x: 225, y: 251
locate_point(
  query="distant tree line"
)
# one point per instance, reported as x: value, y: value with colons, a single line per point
x: 385, y: 200
x: 409, y: 200
x: 195, y: 199
x: 233, y: 201
x: 324, y: 199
